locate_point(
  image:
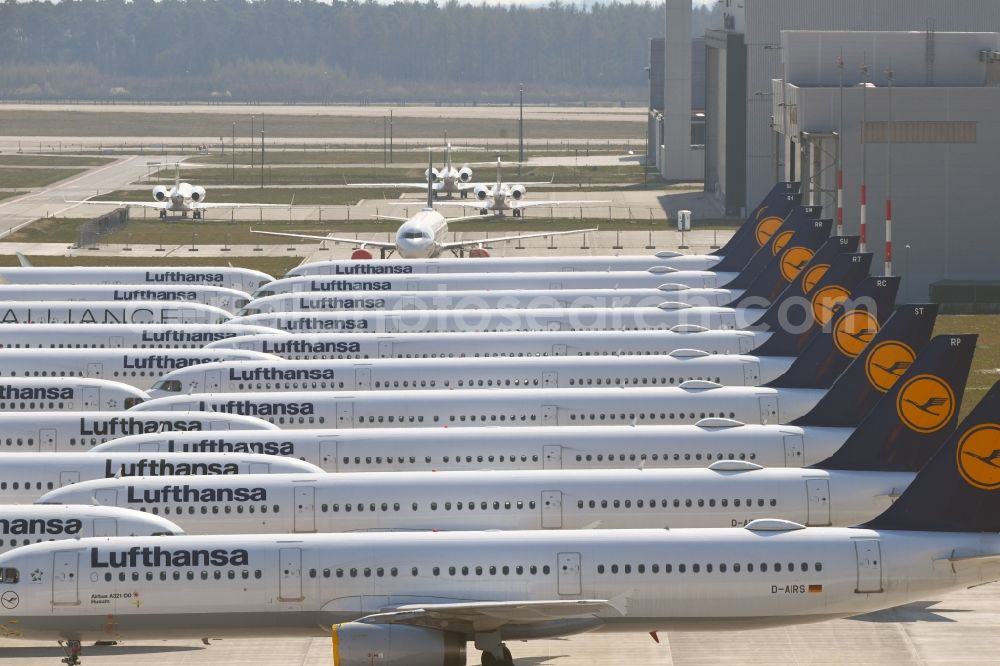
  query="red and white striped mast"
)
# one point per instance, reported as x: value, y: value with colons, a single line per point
x: 888, y: 185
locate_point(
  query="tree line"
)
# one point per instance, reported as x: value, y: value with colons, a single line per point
x: 304, y: 50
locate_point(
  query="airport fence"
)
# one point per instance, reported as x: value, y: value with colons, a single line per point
x: 89, y: 233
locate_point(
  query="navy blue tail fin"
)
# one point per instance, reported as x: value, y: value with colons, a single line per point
x: 761, y: 234
x: 916, y: 416
x: 791, y: 341
x: 957, y: 491
x: 875, y: 370
x: 856, y: 322
x: 776, y: 203
x: 786, y: 259
x: 793, y: 309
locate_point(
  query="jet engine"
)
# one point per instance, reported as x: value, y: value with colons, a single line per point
x: 465, y: 174
x: 197, y: 193
x: 432, y: 174
x: 161, y: 193
x: 479, y: 253
x: 482, y: 192
x: 354, y: 643
x: 361, y: 253
x: 517, y: 192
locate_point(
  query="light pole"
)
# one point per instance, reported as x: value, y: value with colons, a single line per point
x: 262, y: 159
x: 234, y: 152
x: 251, y: 141
x: 520, y: 130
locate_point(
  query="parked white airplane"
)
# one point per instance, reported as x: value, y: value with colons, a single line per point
x: 229, y: 300
x: 447, y: 180
x: 243, y: 279
x: 818, y: 364
x: 138, y: 367
x: 181, y: 198
x: 110, y: 312
x: 24, y: 477
x: 500, y: 196
x: 80, y: 394
x: 856, y: 483
x: 417, y: 598
x: 161, y: 336
x: 513, y: 344
x: 773, y: 208
x: 849, y: 399
x: 423, y: 235
x: 23, y: 524
x: 78, y: 431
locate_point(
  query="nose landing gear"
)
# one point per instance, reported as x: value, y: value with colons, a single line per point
x: 72, y: 650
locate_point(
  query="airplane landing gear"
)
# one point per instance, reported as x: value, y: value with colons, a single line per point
x: 495, y: 653
x: 72, y: 650
x: 464, y: 194
x: 196, y: 214
x: 489, y: 659
x: 163, y: 214
x: 516, y: 212
x: 482, y: 211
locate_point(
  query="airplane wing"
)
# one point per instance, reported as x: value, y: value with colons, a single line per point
x: 204, y: 206
x: 415, y: 186
x: 335, y: 239
x: 535, y: 204
x: 157, y: 205
x: 486, y: 616
x: 501, y: 239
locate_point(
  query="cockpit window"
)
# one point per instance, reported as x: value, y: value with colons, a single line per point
x: 240, y: 302
x: 244, y: 312
x: 132, y: 402
x: 261, y: 293
x: 169, y: 385
x: 413, y: 234
x: 9, y: 575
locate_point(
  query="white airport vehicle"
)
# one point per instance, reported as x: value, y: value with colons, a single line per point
x: 860, y: 480
x: 854, y: 393
x: 243, y: 279
x: 138, y: 367
x: 23, y: 524
x: 229, y: 300
x: 499, y: 197
x: 54, y: 394
x: 774, y: 207
x: 161, y: 336
x: 25, y: 477
x: 180, y: 198
x: 418, y: 598
x: 79, y: 431
x: 423, y: 234
x: 110, y: 312
x: 470, y: 299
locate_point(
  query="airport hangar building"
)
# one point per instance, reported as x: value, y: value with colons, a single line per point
x: 947, y: 221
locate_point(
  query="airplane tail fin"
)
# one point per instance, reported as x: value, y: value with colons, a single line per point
x: 789, y: 341
x: 777, y: 202
x: 430, y: 178
x: 832, y: 347
x: 875, y: 370
x: 916, y: 416
x: 957, y: 490
x: 764, y: 234
x: 23, y: 260
x: 779, y: 263
x: 818, y: 305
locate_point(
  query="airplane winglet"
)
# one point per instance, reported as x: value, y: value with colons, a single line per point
x: 23, y: 260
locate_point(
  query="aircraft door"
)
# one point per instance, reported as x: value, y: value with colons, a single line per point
x: 552, y: 456
x: 385, y: 348
x: 260, y: 468
x: 328, y: 456
x: 794, y: 451
x: 569, y: 574
x: 409, y: 302
x: 727, y: 321
x: 305, y: 509
x: 391, y: 323
x: 106, y: 496
x: 67, y: 478
x: 818, y: 496
x: 290, y: 572
x: 65, y: 578
x: 90, y: 398
x: 218, y: 425
x: 552, y: 510
x: 345, y: 413
x: 363, y: 379
x: 47, y: 439
x: 213, y: 381
x: 412, y: 285
x: 869, y: 565
x: 151, y: 447
x: 95, y: 370
x: 751, y: 374
x: 116, y: 341
x: 558, y: 350
x: 105, y: 527
x: 746, y: 344
x: 550, y: 379
x: 768, y: 409
x: 550, y: 415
